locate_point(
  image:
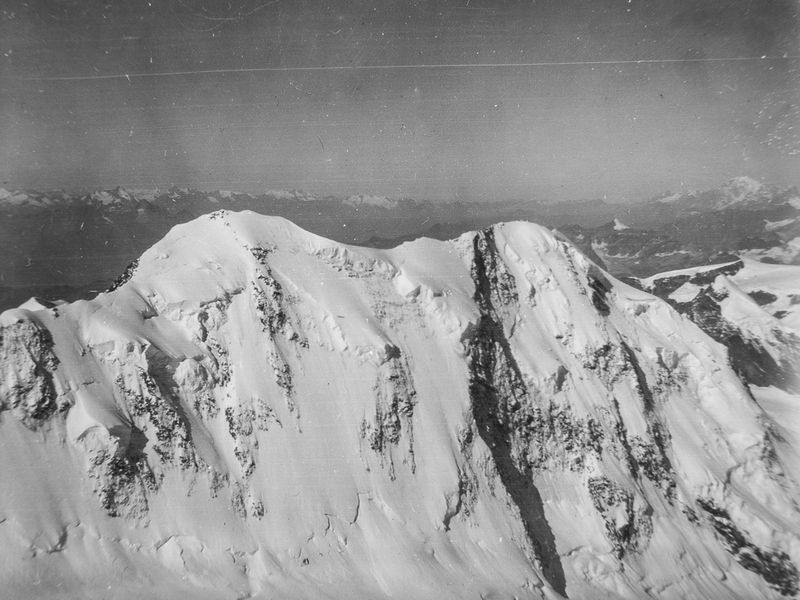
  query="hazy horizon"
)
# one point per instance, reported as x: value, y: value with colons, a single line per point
x: 342, y: 196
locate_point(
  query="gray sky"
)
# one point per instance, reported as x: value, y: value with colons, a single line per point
x: 557, y: 99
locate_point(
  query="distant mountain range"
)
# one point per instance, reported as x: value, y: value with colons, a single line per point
x: 683, y: 230
x: 61, y: 245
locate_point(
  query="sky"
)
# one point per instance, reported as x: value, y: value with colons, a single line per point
x: 439, y: 100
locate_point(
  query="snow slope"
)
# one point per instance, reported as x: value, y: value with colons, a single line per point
x: 752, y: 307
x: 780, y: 286
x: 259, y: 412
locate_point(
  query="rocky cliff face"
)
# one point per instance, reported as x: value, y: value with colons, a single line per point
x: 255, y: 411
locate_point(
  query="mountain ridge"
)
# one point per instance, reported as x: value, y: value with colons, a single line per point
x: 257, y: 410
x: 71, y: 246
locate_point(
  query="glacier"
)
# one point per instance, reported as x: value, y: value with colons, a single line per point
x: 255, y: 411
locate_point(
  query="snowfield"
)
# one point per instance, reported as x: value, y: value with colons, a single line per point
x: 259, y: 412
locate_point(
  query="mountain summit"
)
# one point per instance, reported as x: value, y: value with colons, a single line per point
x: 256, y: 411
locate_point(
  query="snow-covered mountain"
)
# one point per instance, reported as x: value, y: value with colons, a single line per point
x: 121, y: 197
x: 256, y: 411
x: 739, y: 192
x: 751, y: 307
x: 375, y: 201
x: 59, y: 245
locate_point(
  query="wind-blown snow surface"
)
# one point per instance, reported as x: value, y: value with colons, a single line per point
x: 260, y: 412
